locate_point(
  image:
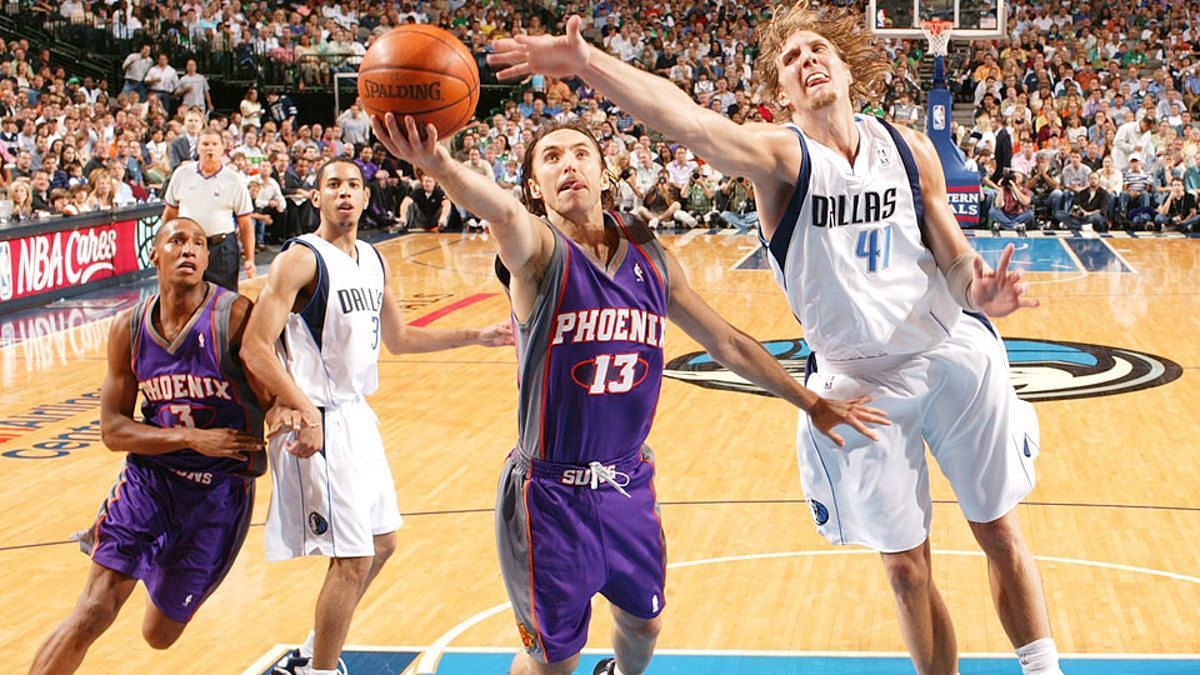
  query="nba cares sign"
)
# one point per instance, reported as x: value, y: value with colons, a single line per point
x: 45, y: 262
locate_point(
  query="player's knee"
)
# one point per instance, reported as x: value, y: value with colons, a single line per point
x: 636, y: 627
x: 1000, y: 537
x: 648, y: 629
x: 385, y: 546
x: 906, y: 574
x: 353, y: 570
x: 160, y: 637
x: 93, y: 617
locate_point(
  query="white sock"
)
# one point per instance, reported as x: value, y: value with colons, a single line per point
x: 314, y: 671
x: 306, y: 649
x: 1039, y: 657
x: 616, y: 669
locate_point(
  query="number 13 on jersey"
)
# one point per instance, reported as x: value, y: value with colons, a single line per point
x: 610, y: 373
x: 876, y: 247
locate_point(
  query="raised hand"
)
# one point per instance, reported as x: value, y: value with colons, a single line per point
x: 406, y: 142
x: 1000, y: 292
x: 827, y: 414
x: 555, y: 55
x: 223, y: 442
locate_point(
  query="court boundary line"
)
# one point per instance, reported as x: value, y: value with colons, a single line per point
x: 428, y: 662
x: 272, y: 655
x: 1120, y: 257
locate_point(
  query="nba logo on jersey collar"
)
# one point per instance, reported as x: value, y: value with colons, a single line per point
x: 200, y: 338
x: 637, y: 272
x: 884, y: 160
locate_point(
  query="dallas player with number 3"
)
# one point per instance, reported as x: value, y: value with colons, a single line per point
x: 892, y: 299
x: 328, y: 306
x: 179, y: 511
x: 576, y: 513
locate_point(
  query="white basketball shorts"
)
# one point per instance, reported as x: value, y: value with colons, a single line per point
x: 333, y: 503
x: 957, y: 398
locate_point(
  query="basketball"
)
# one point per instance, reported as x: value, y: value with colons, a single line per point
x: 423, y: 71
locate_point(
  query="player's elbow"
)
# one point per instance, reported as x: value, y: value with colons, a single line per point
x: 111, y: 434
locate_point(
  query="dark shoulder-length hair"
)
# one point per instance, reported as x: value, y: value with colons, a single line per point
x: 535, y: 206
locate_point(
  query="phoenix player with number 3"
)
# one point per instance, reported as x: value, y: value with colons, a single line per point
x: 180, y: 509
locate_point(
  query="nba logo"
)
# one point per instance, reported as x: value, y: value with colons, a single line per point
x: 939, y: 117
x: 6, y: 282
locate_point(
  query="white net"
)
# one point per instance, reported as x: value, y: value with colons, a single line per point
x: 938, y: 34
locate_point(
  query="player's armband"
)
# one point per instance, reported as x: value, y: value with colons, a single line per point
x: 959, y: 277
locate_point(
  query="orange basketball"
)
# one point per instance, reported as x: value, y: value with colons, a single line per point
x: 422, y: 71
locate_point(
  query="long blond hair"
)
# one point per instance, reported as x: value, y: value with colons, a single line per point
x: 25, y: 206
x: 843, y: 27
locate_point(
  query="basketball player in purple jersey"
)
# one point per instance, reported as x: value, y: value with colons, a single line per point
x: 893, y: 302
x: 576, y: 512
x: 180, y: 508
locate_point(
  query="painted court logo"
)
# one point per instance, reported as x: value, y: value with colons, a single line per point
x: 1041, y: 370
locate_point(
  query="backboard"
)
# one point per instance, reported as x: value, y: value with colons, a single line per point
x: 973, y: 19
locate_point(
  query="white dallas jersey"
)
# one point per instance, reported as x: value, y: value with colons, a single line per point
x: 331, y: 347
x: 848, y: 251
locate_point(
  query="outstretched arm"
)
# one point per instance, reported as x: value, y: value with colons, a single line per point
x: 764, y: 152
x: 401, y: 338
x: 745, y: 356
x: 523, y: 242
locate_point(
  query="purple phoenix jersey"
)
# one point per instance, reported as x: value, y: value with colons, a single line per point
x: 177, y: 520
x: 576, y: 511
x: 195, y: 382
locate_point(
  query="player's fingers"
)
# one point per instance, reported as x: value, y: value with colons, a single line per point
x: 1029, y: 302
x: 399, y: 140
x: 877, y: 420
x: 979, y: 270
x: 411, y: 134
x: 502, y: 48
x: 1005, y: 256
x: 381, y: 134
x: 836, y: 438
x: 863, y: 429
x: 431, y: 138
x: 875, y: 413
x: 573, y: 29
x: 516, y: 72
x: 509, y: 56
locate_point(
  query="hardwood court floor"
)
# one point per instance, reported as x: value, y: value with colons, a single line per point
x: 1116, y: 511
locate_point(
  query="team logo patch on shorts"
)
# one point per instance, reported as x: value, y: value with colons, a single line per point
x: 526, y: 636
x: 317, y: 523
x: 1040, y: 370
x: 820, y: 514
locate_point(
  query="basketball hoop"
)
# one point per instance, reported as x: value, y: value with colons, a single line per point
x: 938, y: 32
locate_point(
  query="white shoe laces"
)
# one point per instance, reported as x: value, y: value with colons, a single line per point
x: 606, y: 474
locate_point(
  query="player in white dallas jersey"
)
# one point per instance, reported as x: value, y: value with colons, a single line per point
x: 328, y: 301
x: 892, y: 298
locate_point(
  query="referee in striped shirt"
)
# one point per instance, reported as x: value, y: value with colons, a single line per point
x: 215, y: 196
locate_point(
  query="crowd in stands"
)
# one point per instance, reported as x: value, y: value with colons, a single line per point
x: 1083, y: 114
